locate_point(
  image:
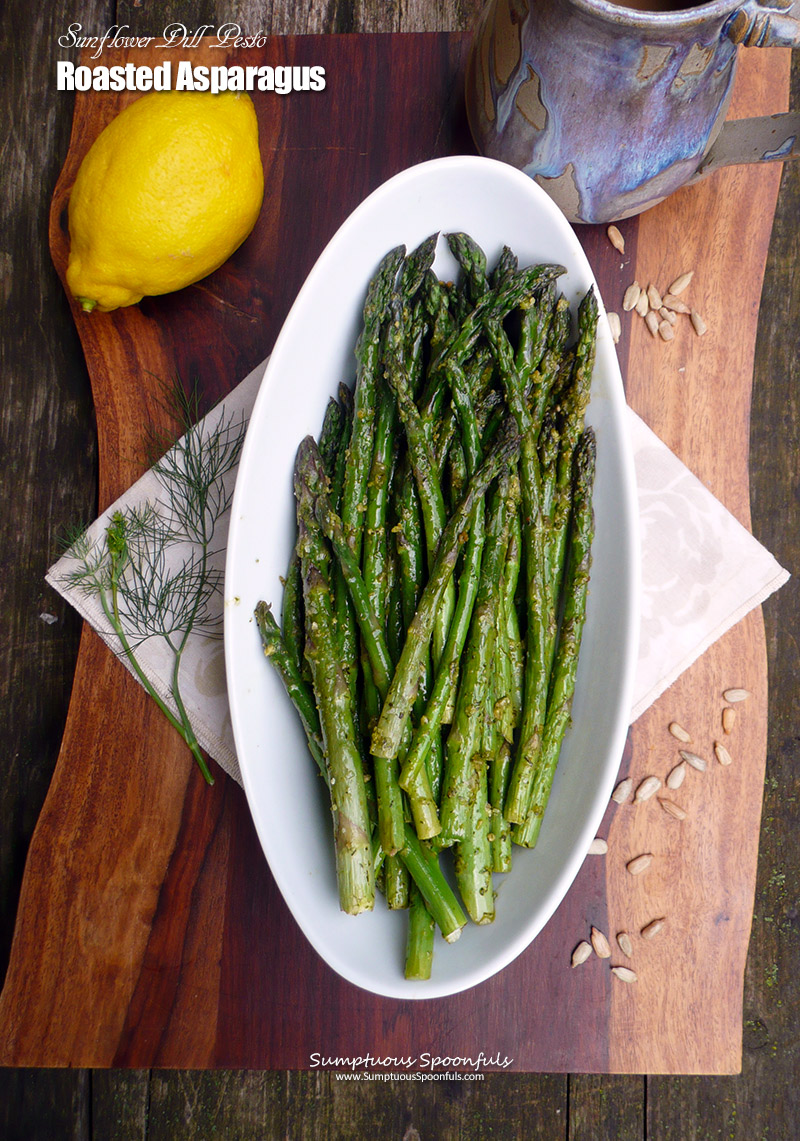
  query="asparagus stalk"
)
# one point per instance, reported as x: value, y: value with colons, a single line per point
x: 472, y: 260
x: 517, y: 290
x: 421, y: 933
x: 311, y: 476
x: 506, y: 267
x: 464, y: 772
x: 292, y: 618
x: 423, y: 867
x: 540, y: 384
x: 534, y: 705
x: 396, y: 883
x: 368, y: 352
x: 566, y: 662
x: 302, y: 697
x: 473, y: 857
x: 330, y: 435
x: 511, y: 571
x: 500, y: 836
x: 431, y: 498
x: 388, y: 734
x: 335, y: 469
x: 573, y: 404
x: 354, y: 860
x: 427, y: 731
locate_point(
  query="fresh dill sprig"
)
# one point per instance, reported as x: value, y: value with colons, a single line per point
x: 153, y: 568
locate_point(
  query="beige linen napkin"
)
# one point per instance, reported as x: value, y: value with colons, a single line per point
x: 701, y: 572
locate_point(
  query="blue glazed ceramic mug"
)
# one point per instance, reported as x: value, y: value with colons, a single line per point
x: 611, y: 108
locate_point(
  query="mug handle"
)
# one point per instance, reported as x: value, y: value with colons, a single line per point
x: 757, y: 25
x: 770, y: 138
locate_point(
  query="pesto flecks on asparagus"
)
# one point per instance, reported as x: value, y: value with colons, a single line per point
x: 562, y: 685
x: 353, y: 846
x: 435, y: 600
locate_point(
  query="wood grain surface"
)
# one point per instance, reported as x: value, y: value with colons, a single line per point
x: 146, y: 943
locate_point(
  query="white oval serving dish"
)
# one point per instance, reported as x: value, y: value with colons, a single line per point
x: 496, y: 205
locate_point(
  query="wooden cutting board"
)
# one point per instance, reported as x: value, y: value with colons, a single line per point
x: 150, y: 932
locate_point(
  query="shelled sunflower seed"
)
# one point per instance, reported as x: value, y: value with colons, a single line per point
x: 616, y: 239
x: 694, y: 760
x: 623, y: 791
x: 675, y: 304
x: 600, y: 944
x: 679, y: 733
x: 654, y: 297
x: 672, y: 809
x: 639, y: 864
x: 653, y: 928
x: 722, y: 754
x: 680, y: 283
x: 661, y: 310
x: 631, y: 296
x: 581, y: 953
x: 676, y: 776
x: 624, y: 943
x: 698, y: 324
x: 646, y: 789
x: 649, y: 787
x: 736, y: 695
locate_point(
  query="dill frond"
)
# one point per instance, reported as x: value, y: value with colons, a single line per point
x: 154, y: 568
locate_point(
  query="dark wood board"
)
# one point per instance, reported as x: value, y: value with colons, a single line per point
x: 173, y: 957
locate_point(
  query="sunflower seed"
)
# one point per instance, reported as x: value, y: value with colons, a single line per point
x: 623, y: 791
x: 581, y: 953
x: 631, y: 296
x: 625, y: 945
x: 677, y: 776
x: 615, y: 326
x: 679, y: 732
x: 675, y: 304
x: 665, y: 331
x: 600, y: 944
x: 680, y: 283
x: 728, y: 718
x: 671, y: 808
x: 693, y: 760
x: 616, y: 239
x: 642, y: 304
x: 639, y: 864
x: 698, y: 324
x: 723, y: 756
x: 734, y: 695
x: 624, y: 973
x: 649, y: 787
x: 652, y: 929
x: 668, y: 315
x: 654, y: 297
x: 651, y: 320
x: 598, y: 847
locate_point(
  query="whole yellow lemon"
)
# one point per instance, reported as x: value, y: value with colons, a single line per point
x: 167, y: 192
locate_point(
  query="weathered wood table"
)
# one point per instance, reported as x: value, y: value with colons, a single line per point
x: 44, y: 369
